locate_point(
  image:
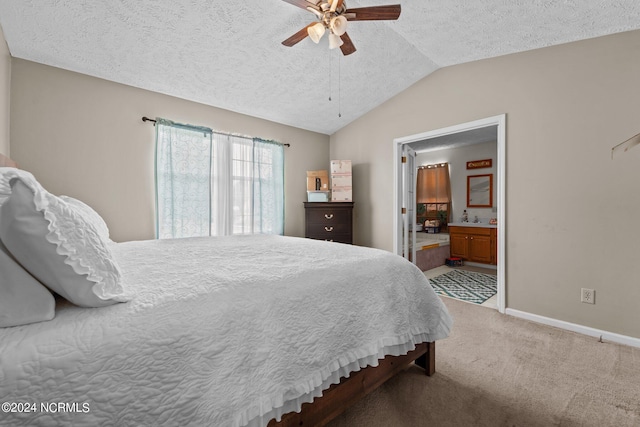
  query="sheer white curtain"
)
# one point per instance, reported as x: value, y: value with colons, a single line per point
x: 248, y: 186
x: 225, y: 185
x: 222, y: 186
x: 243, y: 200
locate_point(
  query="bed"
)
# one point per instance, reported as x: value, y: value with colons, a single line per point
x: 226, y: 331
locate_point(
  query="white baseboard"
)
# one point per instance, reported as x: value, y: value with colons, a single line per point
x: 585, y: 330
x: 478, y: 264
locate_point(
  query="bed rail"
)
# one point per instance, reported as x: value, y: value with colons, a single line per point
x: 337, y: 398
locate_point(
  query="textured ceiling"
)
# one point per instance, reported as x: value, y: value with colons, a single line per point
x: 228, y: 54
x: 456, y: 140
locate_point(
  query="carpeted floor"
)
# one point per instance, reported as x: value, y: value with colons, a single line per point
x: 465, y: 285
x: 498, y: 370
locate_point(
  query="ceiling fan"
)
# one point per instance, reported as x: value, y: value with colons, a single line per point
x: 333, y: 16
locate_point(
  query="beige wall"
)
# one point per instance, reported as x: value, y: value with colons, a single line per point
x: 5, y: 90
x: 84, y: 137
x: 572, y: 213
x: 458, y: 172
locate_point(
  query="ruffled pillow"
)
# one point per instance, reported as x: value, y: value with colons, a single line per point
x: 89, y: 215
x: 56, y: 245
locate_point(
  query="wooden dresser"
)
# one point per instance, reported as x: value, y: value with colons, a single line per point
x: 331, y: 221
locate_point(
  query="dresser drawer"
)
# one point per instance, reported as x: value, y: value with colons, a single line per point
x: 338, y: 238
x: 328, y: 230
x: 328, y: 216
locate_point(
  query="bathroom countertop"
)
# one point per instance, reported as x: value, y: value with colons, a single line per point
x: 472, y: 224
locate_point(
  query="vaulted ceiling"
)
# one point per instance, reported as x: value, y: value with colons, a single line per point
x: 228, y: 53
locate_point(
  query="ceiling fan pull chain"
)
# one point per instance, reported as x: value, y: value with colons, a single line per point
x: 339, y: 88
x: 330, y: 79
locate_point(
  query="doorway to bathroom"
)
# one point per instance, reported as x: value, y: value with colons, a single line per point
x: 476, y: 204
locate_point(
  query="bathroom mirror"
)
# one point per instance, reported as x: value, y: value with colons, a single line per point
x: 480, y: 191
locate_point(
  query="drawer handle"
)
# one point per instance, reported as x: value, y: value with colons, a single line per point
x: 328, y: 229
x: 328, y: 216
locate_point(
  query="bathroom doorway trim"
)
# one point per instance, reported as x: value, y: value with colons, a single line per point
x: 500, y: 122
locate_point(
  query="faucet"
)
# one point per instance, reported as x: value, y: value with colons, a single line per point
x: 476, y: 220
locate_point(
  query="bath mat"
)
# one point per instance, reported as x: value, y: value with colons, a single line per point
x: 465, y: 285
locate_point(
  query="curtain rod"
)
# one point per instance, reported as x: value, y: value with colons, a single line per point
x: 147, y: 119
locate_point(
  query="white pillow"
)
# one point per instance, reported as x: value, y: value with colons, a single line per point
x: 56, y: 245
x: 89, y: 215
x: 23, y: 299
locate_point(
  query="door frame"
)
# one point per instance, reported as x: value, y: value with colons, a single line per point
x: 500, y: 122
x: 409, y: 201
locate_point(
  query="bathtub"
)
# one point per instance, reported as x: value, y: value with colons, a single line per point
x: 424, y: 240
x: 431, y: 250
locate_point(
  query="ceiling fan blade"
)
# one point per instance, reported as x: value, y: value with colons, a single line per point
x: 347, y: 47
x: 303, y: 4
x: 375, y: 13
x: 297, y: 37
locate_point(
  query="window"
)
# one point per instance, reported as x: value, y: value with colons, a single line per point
x: 433, y: 191
x: 213, y: 183
x: 257, y: 175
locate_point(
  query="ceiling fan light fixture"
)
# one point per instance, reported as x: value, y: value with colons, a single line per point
x: 338, y: 25
x: 334, y: 15
x: 316, y: 31
x: 334, y: 41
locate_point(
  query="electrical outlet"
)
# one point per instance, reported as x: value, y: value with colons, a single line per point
x: 588, y: 296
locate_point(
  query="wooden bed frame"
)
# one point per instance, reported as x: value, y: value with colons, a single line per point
x: 337, y: 398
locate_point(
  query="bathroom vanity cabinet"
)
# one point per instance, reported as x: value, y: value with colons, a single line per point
x: 474, y: 244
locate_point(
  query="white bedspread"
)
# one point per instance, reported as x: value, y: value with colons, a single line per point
x: 220, y: 332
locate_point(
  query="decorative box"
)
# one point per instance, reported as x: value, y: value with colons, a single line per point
x: 317, y: 196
